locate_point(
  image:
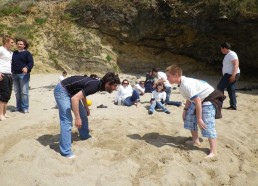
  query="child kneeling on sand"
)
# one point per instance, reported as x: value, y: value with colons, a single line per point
x: 202, y: 103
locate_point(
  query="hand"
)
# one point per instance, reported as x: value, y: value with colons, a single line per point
x: 88, y: 111
x: 201, y: 124
x: 232, y: 78
x: 25, y: 70
x: 1, y: 76
x: 78, y: 123
x: 184, y: 114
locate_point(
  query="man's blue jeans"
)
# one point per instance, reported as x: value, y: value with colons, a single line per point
x: 63, y: 101
x: 21, y: 89
x: 167, y: 101
x: 129, y: 101
x: 224, y: 83
x: 159, y: 105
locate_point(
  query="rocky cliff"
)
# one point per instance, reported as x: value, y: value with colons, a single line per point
x: 161, y: 32
x: 133, y: 35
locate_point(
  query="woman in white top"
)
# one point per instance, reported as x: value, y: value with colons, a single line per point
x: 158, y: 98
x: 126, y: 95
x: 6, y: 81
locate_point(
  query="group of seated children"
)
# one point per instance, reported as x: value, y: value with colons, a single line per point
x: 128, y: 95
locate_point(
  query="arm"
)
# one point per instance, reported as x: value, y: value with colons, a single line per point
x: 235, y: 63
x: 30, y: 63
x: 187, y: 105
x: 75, y: 106
x: 198, y: 104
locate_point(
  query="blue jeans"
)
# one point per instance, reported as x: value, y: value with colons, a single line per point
x: 63, y: 101
x: 224, y: 83
x: 129, y: 101
x: 159, y: 105
x: 168, y: 102
x: 21, y: 89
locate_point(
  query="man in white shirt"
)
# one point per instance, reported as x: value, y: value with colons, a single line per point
x: 231, y: 74
x: 6, y: 81
x: 140, y: 87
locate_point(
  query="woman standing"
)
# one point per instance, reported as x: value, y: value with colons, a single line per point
x: 22, y: 63
x: 6, y: 81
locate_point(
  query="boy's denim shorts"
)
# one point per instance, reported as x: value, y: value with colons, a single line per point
x: 208, y: 117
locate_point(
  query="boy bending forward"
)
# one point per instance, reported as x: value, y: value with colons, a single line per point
x: 197, y: 110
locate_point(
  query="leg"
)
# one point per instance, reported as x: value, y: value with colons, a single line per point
x: 135, y: 96
x: 190, y: 123
x: 17, y: 91
x: 25, y: 92
x: 208, y: 116
x: 168, y: 102
x: 2, y: 105
x: 231, y: 88
x: 213, y: 148
x: 152, y: 107
x: 84, y: 130
x: 64, y: 107
x: 160, y: 105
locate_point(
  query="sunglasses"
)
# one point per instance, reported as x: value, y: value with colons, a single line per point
x: 125, y: 83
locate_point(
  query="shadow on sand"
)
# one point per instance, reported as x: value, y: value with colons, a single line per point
x: 158, y: 140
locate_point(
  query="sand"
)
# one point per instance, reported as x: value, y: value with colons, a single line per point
x: 129, y: 147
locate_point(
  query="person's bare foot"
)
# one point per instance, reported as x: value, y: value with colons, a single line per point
x: 190, y: 142
x: 211, y: 155
x: 6, y: 116
x: 2, y: 118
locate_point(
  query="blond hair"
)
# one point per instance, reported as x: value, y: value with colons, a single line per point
x: 6, y: 39
x: 174, y: 69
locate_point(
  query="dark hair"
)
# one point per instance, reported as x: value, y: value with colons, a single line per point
x: 125, y: 80
x: 111, y: 78
x: 154, y: 70
x: 164, y: 88
x: 141, y: 82
x: 225, y: 45
x: 64, y: 72
x: 26, y: 44
x: 94, y: 76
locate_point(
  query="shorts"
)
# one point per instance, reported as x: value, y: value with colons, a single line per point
x: 6, y: 86
x: 208, y: 117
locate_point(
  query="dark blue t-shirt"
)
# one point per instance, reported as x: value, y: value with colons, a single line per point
x: 87, y: 85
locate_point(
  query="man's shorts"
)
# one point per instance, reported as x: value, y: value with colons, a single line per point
x: 208, y: 117
x: 6, y: 87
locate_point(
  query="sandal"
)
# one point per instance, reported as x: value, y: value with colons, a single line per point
x: 101, y: 106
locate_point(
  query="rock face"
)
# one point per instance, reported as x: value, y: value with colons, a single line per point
x: 161, y: 32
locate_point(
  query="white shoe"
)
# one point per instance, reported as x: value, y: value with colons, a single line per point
x: 72, y: 157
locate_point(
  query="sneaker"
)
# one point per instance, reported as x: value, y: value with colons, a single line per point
x: 150, y: 112
x: 167, y: 112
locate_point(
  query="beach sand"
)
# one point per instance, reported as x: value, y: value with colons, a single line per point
x: 129, y: 147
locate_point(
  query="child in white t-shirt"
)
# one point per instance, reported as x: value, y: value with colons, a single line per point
x: 158, y: 98
x: 62, y: 77
x: 198, y: 113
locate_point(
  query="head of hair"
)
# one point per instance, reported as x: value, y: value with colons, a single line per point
x: 162, y: 84
x: 64, y: 72
x: 111, y: 78
x: 125, y: 81
x: 141, y: 82
x: 7, y: 38
x: 94, y: 76
x: 225, y: 45
x: 174, y: 69
x: 25, y: 42
x: 154, y: 70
